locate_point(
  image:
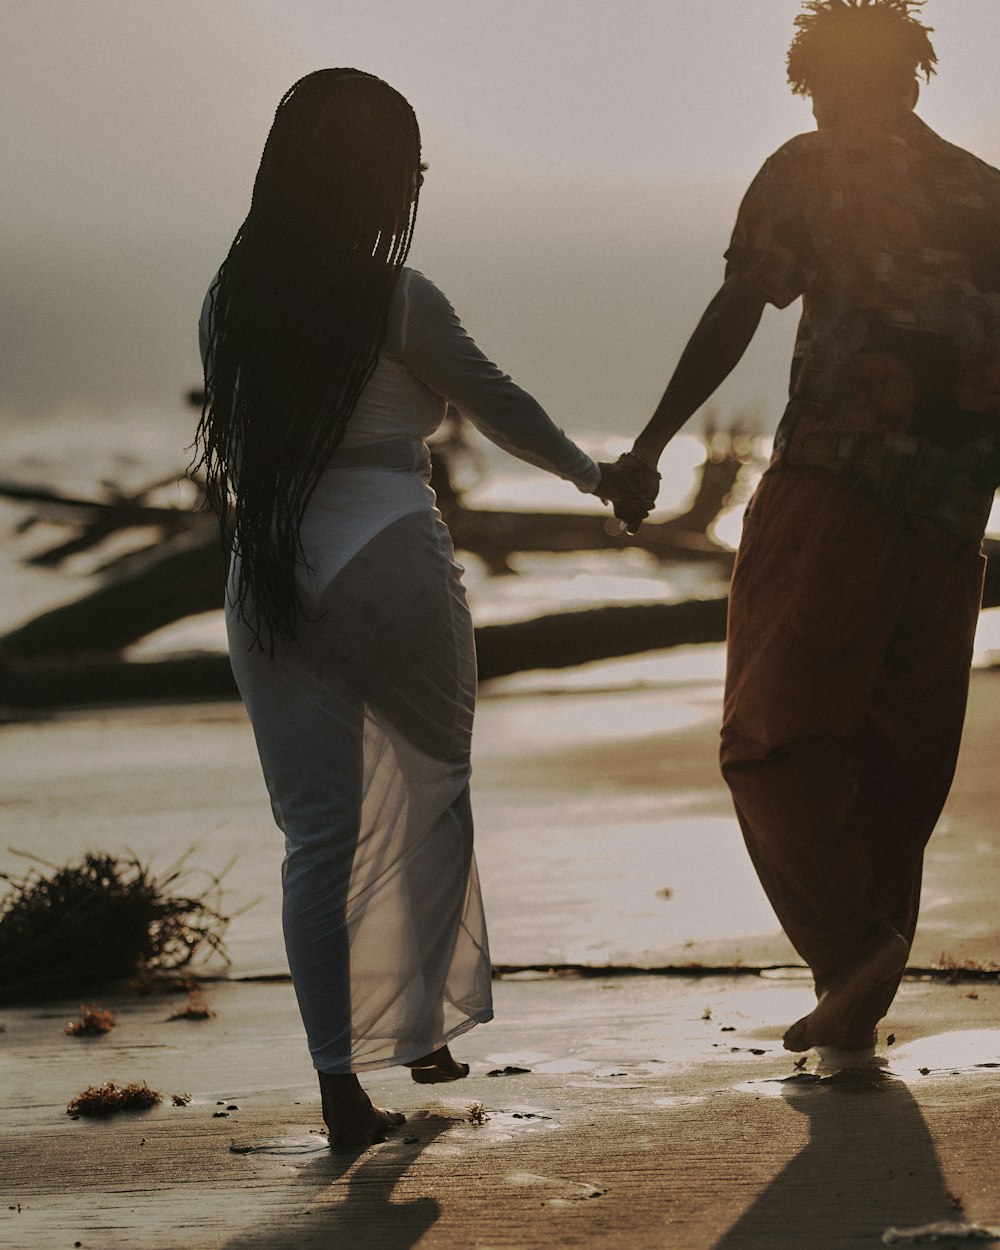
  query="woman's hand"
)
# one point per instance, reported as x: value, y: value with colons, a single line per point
x: 631, y: 486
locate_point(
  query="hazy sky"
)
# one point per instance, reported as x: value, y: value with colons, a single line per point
x: 586, y: 160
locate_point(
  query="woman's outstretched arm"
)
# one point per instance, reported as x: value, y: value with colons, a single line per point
x: 440, y: 352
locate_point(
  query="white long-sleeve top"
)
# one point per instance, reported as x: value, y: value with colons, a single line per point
x: 380, y: 471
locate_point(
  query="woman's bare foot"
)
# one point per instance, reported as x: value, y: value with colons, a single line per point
x: 830, y: 1022
x: 351, y: 1120
x: 436, y: 1067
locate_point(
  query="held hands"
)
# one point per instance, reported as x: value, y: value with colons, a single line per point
x: 631, y: 486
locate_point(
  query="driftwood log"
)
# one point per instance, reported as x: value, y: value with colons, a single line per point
x: 187, y: 573
x: 190, y: 571
x: 558, y: 641
x: 70, y: 655
x: 97, y: 519
x: 180, y: 572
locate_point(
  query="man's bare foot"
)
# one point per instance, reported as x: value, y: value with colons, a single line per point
x: 436, y: 1067
x: 351, y: 1120
x: 830, y: 1021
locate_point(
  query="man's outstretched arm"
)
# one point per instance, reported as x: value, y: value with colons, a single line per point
x: 719, y: 340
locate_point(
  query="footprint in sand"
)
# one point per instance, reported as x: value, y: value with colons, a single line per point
x: 555, y: 1190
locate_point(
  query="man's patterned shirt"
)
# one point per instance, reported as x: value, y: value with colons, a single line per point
x: 892, y: 238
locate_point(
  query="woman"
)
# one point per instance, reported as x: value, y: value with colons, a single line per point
x: 326, y: 365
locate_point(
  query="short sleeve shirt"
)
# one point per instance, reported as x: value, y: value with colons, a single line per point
x: 892, y: 238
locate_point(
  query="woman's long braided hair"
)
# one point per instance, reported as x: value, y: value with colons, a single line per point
x: 298, y: 315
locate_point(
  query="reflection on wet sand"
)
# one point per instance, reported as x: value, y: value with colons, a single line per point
x: 964, y: 1051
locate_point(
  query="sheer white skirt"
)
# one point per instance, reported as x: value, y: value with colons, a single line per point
x: 364, y: 728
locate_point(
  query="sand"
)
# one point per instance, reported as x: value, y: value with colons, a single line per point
x: 657, y: 1110
x: 653, y: 1113
x: 604, y: 832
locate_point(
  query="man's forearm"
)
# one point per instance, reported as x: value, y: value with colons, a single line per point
x: 719, y: 340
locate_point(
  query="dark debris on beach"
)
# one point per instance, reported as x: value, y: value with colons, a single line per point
x: 99, y: 920
x: 110, y: 1098
x: 93, y: 1021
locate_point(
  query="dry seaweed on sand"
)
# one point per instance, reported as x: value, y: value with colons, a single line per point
x: 477, y: 1114
x: 93, y: 1021
x: 101, y: 919
x: 196, y: 1008
x: 109, y: 1098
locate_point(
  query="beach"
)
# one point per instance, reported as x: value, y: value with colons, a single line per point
x: 632, y: 1090
x: 628, y: 212
x: 657, y: 1107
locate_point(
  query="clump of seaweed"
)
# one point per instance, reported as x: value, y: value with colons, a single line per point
x: 196, y: 1008
x: 109, y: 1098
x: 99, y: 920
x: 478, y: 1114
x: 93, y: 1022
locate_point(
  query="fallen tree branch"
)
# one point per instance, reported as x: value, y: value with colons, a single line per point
x: 557, y: 641
x: 180, y: 573
x: 180, y: 578
x: 560, y: 640
x: 565, y: 639
x: 186, y: 574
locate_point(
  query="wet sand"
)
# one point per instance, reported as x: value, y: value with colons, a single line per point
x: 604, y: 832
x: 657, y: 1111
x: 653, y: 1113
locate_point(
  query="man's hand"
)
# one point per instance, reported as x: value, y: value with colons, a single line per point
x: 631, y: 486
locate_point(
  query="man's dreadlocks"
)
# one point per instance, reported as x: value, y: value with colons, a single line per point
x: 868, y: 43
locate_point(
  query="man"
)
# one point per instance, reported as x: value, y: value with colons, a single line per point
x: 857, y: 586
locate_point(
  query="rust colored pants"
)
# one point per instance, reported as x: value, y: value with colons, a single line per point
x: 850, y: 639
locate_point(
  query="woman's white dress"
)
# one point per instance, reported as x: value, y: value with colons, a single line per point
x: 364, y: 724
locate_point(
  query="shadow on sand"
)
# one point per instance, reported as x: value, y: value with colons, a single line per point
x: 870, y: 1164
x: 346, y: 1200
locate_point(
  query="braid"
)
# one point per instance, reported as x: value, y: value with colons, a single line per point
x: 298, y: 317
x: 864, y: 41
